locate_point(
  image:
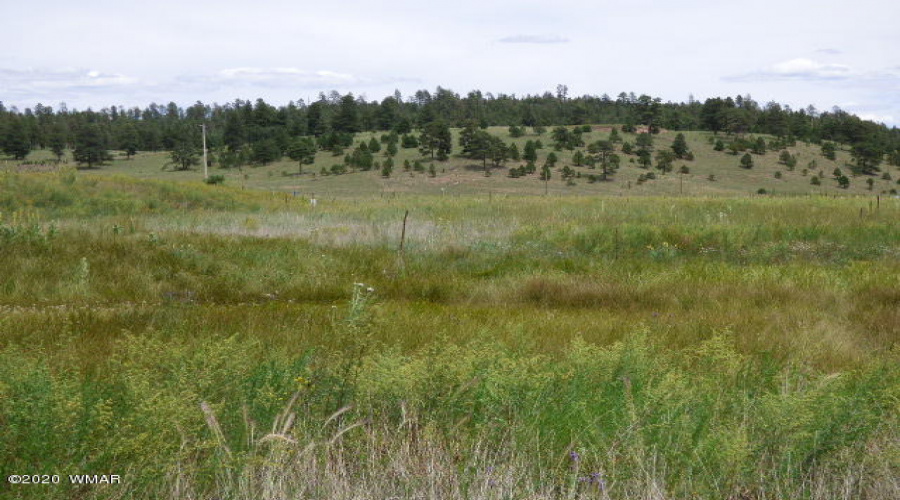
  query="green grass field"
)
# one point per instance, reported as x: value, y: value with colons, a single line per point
x: 219, y: 342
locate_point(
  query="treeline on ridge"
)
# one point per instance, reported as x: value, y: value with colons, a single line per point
x: 245, y: 132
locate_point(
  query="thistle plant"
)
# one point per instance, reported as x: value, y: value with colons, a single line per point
x: 358, y: 314
x: 83, y: 274
x: 356, y: 337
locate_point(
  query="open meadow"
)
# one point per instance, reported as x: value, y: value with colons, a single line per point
x: 218, y: 342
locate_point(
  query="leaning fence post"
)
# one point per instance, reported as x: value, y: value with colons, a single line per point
x: 403, y: 233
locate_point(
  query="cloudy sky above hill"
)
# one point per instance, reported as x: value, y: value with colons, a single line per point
x: 100, y: 53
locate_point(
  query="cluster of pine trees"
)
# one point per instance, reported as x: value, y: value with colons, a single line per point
x: 245, y: 132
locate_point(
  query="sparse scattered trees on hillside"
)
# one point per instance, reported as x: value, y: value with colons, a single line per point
x: 255, y: 131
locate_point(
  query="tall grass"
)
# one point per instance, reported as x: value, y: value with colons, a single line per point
x: 520, y: 348
x: 229, y: 418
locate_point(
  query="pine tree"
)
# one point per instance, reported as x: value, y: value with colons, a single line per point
x: 409, y: 141
x: 499, y: 151
x: 90, y: 146
x: 614, y: 136
x: 479, y: 145
x: 57, y: 144
x: 644, y: 157
x: 759, y: 147
x: 784, y: 157
x: 530, y: 153
x: 267, y: 151
x: 437, y: 140
x: 867, y: 155
x: 387, y: 166
x: 600, y: 152
x: 679, y: 146
x: 514, y: 152
x: 303, y: 151
x: 128, y: 140
x: 664, y: 160
x: 563, y: 138
x: 578, y: 158
x: 16, y: 143
x: 644, y: 140
x: 235, y: 135
x: 545, y: 172
x: 347, y: 117
x: 184, y: 156
x: 551, y: 160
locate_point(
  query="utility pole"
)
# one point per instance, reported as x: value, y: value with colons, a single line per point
x: 205, y: 163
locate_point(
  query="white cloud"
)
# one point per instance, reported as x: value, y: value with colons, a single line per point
x: 876, y: 117
x: 286, y: 77
x: 797, y: 69
x: 541, y: 39
x: 52, y: 83
x: 807, y: 68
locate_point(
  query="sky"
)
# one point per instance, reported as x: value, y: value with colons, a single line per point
x: 101, y: 53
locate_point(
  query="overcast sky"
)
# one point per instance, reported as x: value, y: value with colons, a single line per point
x: 121, y: 52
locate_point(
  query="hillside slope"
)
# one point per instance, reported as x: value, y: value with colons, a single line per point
x: 710, y: 173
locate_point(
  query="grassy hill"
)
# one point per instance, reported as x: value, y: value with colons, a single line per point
x: 463, y: 176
